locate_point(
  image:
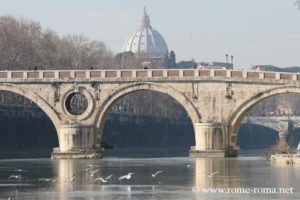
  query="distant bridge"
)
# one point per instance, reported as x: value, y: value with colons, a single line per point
x: 77, y: 101
x: 282, y: 124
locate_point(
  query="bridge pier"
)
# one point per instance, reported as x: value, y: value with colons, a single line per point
x: 209, y: 138
x: 76, y: 141
x: 283, y: 135
x: 282, y: 146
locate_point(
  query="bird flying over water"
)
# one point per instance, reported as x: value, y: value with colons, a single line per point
x: 127, y: 176
x: 20, y: 170
x: 14, y: 177
x: 108, y: 177
x: 100, y: 179
x: 47, y: 179
x: 212, y: 174
x: 92, y: 173
x: 92, y: 166
x: 103, y: 180
x: 156, y: 173
x: 72, y: 179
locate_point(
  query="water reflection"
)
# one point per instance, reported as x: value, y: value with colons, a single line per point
x: 187, y: 172
x: 74, y: 177
x: 226, y: 175
x: 179, y: 175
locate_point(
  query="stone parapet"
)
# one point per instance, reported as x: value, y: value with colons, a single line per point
x: 147, y: 75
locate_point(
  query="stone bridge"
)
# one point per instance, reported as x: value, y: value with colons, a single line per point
x: 215, y: 100
x: 282, y: 124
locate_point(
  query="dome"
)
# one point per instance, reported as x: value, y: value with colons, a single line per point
x: 146, y: 40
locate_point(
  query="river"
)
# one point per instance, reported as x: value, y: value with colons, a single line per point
x: 250, y: 176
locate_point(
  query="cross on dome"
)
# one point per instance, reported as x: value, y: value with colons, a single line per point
x: 145, y: 20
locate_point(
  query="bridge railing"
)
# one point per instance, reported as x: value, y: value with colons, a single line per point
x: 149, y: 73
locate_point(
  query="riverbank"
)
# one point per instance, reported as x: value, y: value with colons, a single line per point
x: 289, y: 159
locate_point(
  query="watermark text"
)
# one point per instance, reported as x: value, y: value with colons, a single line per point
x: 241, y: 190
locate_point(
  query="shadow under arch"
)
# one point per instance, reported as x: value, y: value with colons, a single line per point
x: 253, y: 135
x: 294, y: 137
x: 244, y: 108
x: 35, y: 98
x: 173, y: 93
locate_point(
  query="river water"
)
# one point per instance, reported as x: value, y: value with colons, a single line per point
x: 250, y: 176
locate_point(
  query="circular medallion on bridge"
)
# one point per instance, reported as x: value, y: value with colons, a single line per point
x: 76, y: 103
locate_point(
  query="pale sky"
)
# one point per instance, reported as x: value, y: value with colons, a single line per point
x: 254, y: 31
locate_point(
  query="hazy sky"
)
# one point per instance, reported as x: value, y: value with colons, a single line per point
x: 254, y: 31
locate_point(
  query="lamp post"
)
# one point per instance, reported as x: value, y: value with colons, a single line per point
x: 226, y: 61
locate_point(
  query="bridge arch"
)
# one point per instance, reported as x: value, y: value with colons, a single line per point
x: 252, y: 135
x: 40, y: 102
x: 173, y: 93
x: 238, y: 115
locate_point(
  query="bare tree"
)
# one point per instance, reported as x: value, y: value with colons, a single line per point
x: 23, y: 45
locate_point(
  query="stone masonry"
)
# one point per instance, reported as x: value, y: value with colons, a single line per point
x: 215, y: 100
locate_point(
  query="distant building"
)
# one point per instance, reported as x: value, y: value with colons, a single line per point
x: 148, y: 46
x: 214, y: 65
x: 187, y: 64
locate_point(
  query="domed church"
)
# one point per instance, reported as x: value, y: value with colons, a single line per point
x: 147, y: 45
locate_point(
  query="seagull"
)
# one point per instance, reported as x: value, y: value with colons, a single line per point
x: 100, y: 179
x: 20, y: 170
x: 14, y: 177
x: 72, y: 179
x: 212, y: 174
x: 92, y: 166
x: 47, y: 179
x: 127, y: 176
x: 156, y: 173
x: 104, y: 180
x: 92, y: 173
x: 108, y: 177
